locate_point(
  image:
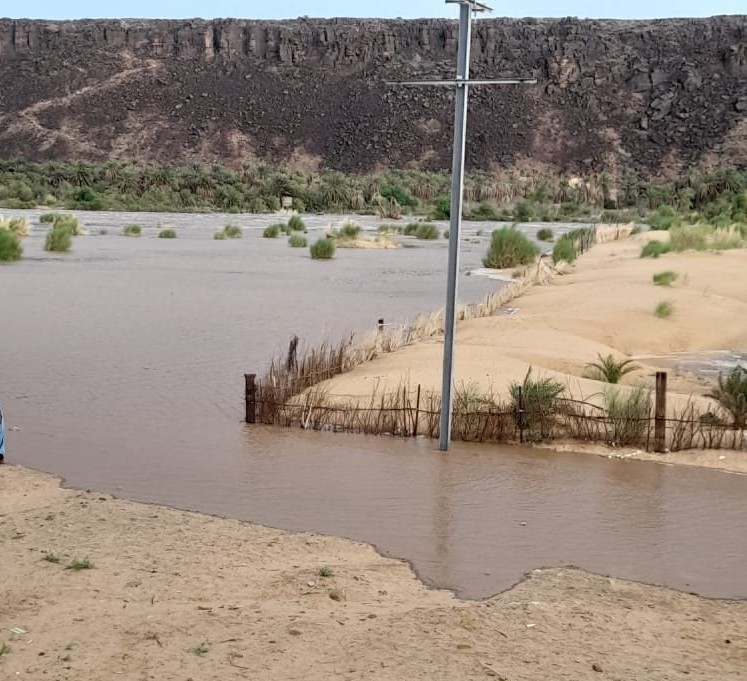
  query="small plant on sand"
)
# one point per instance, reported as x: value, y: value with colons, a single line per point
x: 132, y: 230
x: 665, y: 278
x: 273, y: 231
x: 664, y: 310
x: 610, y: 370
x: 167, y: 233
x: 545, y: 234
x: 731, y: 394
x: 427, y: 231
x: 508, y: 248
x: 297, y: 241
x: 4, y: 649
x: 629, y: 412
x: 564, y: 250
x: 296, y: 224
x: 653, y: 249
x: 350, y: 230
x: 10, y: 246
x: 232, y: 232
x: 535, y: 401
x: 59, y: 239
x: 325, y: 571
x: 323, y: 249
x: 51, y: 558
x: 202, y: 649
x: 220, y: 236
x: 78, y: 565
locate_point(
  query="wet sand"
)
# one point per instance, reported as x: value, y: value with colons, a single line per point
x: 174, y: 595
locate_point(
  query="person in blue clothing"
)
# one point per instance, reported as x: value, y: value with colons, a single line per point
x: 2, y: 437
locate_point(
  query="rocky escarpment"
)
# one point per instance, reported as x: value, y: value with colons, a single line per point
x: 651, y: 95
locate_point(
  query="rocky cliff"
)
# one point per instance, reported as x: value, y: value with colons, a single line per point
x: 655, y: 95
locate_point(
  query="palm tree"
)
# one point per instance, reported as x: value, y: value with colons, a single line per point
x: 731, y: 394
x: 610, y: 370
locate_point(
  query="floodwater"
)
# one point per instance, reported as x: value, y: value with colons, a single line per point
x: 122, y: 370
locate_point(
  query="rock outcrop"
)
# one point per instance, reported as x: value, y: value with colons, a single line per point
x: 655, y: 95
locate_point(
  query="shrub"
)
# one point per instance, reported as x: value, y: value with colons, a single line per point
x: 220, y: 236
x: 411, y: 229
x: 664, y: 310
x: 427, y: 231
x: 167, y: 233
x: 296, y: 224
x: 59, y: 239
x: 10, y: 246
x: 536, y: 404
x: 232, y: 232
x: 663, y: 217
x: 689, y: 238
x: 296, y: 240
x: 87, y: 199
x: 350, y: 230
x: 509, y: 248
x: 62, y: 220
x: 665, y: 278
x: 390, y: 229
x: 18, y: 226
x: 271, y: 232
x: 485, y: 211
x: 564, y: 249
x: 653, y: 249
x: 442, y: 208
x: 731, y: 394
x: 629, y: 413
x: 545, y: 234
x: 523, y: 212
x: 48, y: 218
x: 323, y: 249
x: 132, y: 230
x: 610, y: 370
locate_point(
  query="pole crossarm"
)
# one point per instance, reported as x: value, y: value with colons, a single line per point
x: 474, y: 5
x: 460, y: 83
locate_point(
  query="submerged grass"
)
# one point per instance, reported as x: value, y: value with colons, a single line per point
x: 323, y: 249
x: 10, y: 246
x: 509, y: 248
x: 59, y: 239
x: 132, y: 230
x: 297, y: 240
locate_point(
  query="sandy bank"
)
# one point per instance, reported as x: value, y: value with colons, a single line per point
x: 175, y: 595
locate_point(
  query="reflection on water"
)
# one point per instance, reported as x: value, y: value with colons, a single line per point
x: 122, y: 366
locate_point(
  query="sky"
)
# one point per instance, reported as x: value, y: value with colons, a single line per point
x: 283, y: 9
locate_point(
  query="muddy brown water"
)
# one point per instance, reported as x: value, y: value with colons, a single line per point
x: 121, y: 370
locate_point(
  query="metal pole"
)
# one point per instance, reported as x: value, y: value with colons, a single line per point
x: 457, y: 187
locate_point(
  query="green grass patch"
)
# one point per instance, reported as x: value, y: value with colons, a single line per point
x: 655, y: 248
x: 220, y: 236
x: 59, y: 239
x: 202, y: 649
x: 4, y: 649
x: 565, y: 250
x: 78, y: 565
x: 508, y: 248
x: 545, y: 234
x: 350, y: 230
x: 10, y: 246
x: 233, y: 232
x: 325, y: 571
x: 664, y: 217
x: 296, y: 240
x: 629, y: 413
x: 132, y: 230
x: 389, y: 229
x: 664, y: 310
x: 665, y: 278
x: 427, y: 231
x: 411, y: 229
x: 323, y: 249
x: 296, y: 224
x: 51, y: 558
x: 273, y: 231
x: 167, y: 233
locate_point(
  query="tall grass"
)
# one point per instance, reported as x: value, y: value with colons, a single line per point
x: 629, y: 412
x: 654, y: 248
x: 10, y: 246
x: 167, y: 233
x: 564, y: 250
x: 132, y: 230
x: 508, y: 248
x: 297, y: 240
x: 666, y: 278
x: 545, y: 234
x: 59, y: 239
x: 296, y: 224
x: 272, y: 232
x: 664, y: 217
x: 427, y: 231
x: 536, y: 401
x: 323, y: 249
x: 664, y: 310
x: 18, y: 226
x: 232, y: 232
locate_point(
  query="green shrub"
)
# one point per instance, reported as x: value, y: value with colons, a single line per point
x: 220, y: 236
x: 350, y: 230
x: 731, y: 394
x: 689, y: 238
x: 390, y: 229
x: 427, y: 231
x: 536, y: 404
x: 545, y: 234
x: 523, y: 212
x: 272, y: 232
x: 232, y: 232
x: 62, y: 220
x: 87, y: 199
x: 665, y: 278
x: 564, y: 249
x: 296, y: 224
x: 663, y: 217
x: 653, y: 249
x: 323, y: 249
x: 297, y: 240
x: 59, y: 239
x: 132, y: 230
x: 509, y: 248
x: 664, y: 310
x: 610, y: 370
x: 167, y: 233
x: 629, y: 413
x: 47, y: 218
x: 10, y: 246
x: 485, y: 211
x: 411, y: 229
x: 442, y: 208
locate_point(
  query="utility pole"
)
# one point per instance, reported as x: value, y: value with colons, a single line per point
x: 462, y: 85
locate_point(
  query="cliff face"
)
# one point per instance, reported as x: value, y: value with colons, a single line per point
x: 651, y: 95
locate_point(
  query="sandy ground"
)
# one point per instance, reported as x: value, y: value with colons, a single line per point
x: 602, y: 305
x: 175, y: 595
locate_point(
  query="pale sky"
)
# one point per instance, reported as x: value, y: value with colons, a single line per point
x: 283, y: 9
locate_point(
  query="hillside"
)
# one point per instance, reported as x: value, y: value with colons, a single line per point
x: 655, y: 96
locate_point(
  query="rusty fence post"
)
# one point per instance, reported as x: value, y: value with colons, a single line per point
x: 660, y: 415
x: 250, y: 397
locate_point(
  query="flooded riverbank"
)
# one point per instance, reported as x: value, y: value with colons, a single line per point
x: 122, y: 368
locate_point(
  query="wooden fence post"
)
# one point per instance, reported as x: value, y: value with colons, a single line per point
x: 250, y: 397
x: 417, y: 414
x: 381, y: 325
x: 660, y: 415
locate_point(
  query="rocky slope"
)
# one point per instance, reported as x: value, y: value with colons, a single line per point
x: 651, y: 95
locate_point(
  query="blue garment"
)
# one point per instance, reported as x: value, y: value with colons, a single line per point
x: 2, y: 433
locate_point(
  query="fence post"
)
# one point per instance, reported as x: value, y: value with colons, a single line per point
x: 381, y: 325
x: 521, y: 415
x: 250, y: 397
x: 660, y: 415
x: 417, y: 413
